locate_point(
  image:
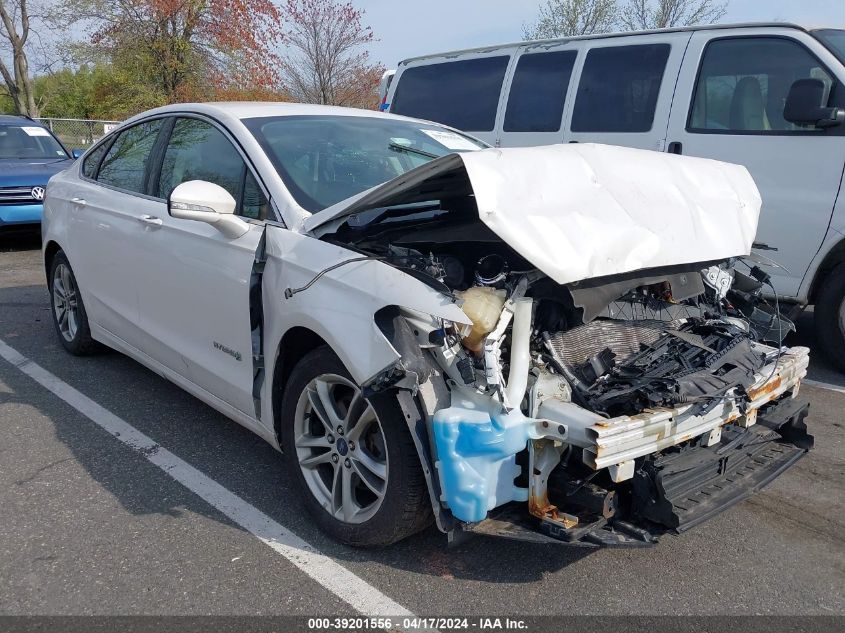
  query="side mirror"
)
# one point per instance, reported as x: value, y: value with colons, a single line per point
x: 206, y: 202
x: 76, y: 152
x: 804, y: 105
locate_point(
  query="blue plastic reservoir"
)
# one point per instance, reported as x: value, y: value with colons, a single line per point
x: 476, y: 457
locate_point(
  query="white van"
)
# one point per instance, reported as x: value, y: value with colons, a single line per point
x: 384, y: 88
x: 767, y: 96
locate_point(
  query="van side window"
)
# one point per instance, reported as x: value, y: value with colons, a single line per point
x: 619, y: 88
x: 743, y: 83
x: 463, y: 94
x: 538, y: 92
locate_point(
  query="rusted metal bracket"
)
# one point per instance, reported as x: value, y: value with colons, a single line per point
x: 544, y: 456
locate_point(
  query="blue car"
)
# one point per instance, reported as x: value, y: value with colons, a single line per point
x: 29, y: 156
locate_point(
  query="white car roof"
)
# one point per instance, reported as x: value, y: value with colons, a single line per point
x: 256, y: 109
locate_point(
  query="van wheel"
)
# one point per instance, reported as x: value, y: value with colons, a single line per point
x: 353, y: 458
x: 829, y: 317
x: 69, y: 316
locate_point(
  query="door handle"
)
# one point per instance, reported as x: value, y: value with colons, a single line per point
x: 675, y: 148
x: 150, y: 220
x: 79, y: 201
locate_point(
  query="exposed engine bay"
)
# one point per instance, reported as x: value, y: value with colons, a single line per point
x: 663, y: 338
x: 596, y: 402
x: 612, y: 407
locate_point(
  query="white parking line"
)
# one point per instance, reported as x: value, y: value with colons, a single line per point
x: 823, y: 385
x: 353, y: 590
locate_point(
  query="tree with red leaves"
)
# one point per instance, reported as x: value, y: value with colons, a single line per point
x: 326, y: 61
x: 187, y: 49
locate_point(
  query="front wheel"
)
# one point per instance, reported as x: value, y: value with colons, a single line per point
x: 352, y: 457
x: 69, y: 316
x: 829, y: 317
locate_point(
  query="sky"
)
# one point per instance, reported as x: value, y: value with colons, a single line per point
x: 406, y: 29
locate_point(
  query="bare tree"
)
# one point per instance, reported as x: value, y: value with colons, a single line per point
x: 659, y: 14
x: 562, y: 18
x: 325, y: 61
x: 14, y: 34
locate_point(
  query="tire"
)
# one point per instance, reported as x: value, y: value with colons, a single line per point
x: 829, y: 317
x: 67, y: 309
x: 377, y: 512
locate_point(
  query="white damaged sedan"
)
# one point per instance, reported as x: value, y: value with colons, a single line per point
x: 565, y: 344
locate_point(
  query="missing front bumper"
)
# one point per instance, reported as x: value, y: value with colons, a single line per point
x: 674, y: 490
x: 682, y: 489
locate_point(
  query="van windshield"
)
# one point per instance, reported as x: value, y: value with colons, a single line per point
x: 834, y: 39
x: 325, y: 159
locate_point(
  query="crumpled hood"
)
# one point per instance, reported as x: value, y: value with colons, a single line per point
x: 580, y: 211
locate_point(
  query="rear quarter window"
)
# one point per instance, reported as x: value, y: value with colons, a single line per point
x: 463, y: 94
x: 92, y: 161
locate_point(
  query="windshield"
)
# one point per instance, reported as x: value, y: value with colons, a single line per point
x: 834, y: 39
x: 326, y: 159
x: 29, y: 141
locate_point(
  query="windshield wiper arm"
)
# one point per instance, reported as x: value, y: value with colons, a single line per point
x: 396, y: 147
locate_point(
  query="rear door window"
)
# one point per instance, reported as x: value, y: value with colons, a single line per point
x: 538, y: 92
x: 619, y: 88
x: 463, y: 94
x: 125, y: 164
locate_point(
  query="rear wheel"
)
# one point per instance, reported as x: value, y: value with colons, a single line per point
x: 69, y: 316
x: 353, y: 458
x: 829, y: 317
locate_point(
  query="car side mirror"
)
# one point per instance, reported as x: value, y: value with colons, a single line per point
x: 206, y: 202
x: 76, y: 152
x: 804, y: 105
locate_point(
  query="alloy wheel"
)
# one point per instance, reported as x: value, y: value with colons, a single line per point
x: 341, y: 448
x: 65, y: 302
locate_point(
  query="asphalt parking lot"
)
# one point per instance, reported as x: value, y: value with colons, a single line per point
x: 90, y: 526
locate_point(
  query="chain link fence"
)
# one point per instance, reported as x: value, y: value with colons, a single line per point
x: 78, y: 132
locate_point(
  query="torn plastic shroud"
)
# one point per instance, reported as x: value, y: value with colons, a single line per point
x: 694, y: 362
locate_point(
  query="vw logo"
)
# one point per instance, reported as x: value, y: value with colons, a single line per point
x: 38, y: 193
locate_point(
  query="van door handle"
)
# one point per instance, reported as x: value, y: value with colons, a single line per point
x: 675, y: 148
x: 150, y: 220
x: 79, y: 201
